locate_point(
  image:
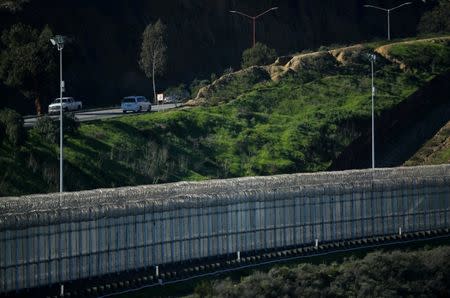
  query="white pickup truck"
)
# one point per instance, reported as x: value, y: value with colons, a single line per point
x: 68, y: 104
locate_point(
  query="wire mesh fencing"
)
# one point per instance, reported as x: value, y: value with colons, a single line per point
x: 47, y: 239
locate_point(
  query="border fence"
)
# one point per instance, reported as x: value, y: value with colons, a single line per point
x: 55, y: 238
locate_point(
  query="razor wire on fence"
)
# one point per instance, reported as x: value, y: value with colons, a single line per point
x: 47, y: 239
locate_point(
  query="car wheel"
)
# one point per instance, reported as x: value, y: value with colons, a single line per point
x: 66, y: 110
x: 140, y: 109
x: 124, y: 111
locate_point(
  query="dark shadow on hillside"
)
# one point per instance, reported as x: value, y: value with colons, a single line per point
x: 403, y: 130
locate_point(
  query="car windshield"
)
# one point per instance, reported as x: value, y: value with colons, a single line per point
x: 128, y: 99
x: 58, y: 100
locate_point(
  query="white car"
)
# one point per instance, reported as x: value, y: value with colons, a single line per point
x: 136, y: 104
x: 68, y: 104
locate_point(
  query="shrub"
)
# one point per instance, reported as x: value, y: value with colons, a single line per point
x: 437, y: 20
x: 47, y: 129
x: 423, y: 56
x: 379, y: 274
x: 12, y: 126
x: 179, y: 92
x: 71, y: 124
x: 196, y: 85
x: 260, y: 54
x: 228, y: 70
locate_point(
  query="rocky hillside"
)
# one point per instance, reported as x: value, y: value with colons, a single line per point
x: 315, y: 61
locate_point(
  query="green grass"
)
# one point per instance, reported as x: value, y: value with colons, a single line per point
x: 299, y: 124
x: 435, y: 151
x: 425, y: 56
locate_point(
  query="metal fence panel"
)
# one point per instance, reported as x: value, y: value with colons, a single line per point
x: 107, y: 231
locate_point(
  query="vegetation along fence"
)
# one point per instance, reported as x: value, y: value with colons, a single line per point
x: 52, y: 238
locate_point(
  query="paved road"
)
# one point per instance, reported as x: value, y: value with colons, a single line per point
x: 99, y: 114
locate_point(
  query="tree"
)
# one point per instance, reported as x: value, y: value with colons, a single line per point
x: 179, y: 92
x: 11, y: 124
x: 27, y: 61
x: 153, y: 52
x: 260, y: 54
x: 437, y: 20
x: 12, y: 5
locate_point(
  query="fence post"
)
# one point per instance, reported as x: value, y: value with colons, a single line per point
x: 446, y: 202
x: 136, y: 240
x: 49, y: 273
x: 190, y: 232
x: 90, y: 243
x: 70, y: 248
x: 16, y: 255
x: 172, y: 235
x: 144, y: 232
x: 294, y: 202
x: 352, y: 216
x: 28, y: 262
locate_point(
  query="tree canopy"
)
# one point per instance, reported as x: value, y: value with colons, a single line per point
x: 437, y: 20
x: 260, y: 54
x: 12, y: 5
x: 27, y: 61
x: 153, y: 51
x: 380, y: 274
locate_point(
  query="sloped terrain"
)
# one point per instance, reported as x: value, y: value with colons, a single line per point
x: 404, y: 53
x: 435, y: 151
x: 300, y: 114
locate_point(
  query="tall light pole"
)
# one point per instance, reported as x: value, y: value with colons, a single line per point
x: 58, y: 41
x: 388, y: 10
x: 372, y: 59
x: 253, y: 18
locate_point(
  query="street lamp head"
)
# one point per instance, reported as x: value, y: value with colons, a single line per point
x: 274, y: 8
x: 58, y: 41
x: 233, y: 11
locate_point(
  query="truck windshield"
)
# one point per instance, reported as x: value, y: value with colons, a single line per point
x: 58, y: 100
x: 128, y: 99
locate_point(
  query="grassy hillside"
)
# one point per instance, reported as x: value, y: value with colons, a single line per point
x: 435, y: 151
x: 284, y: 118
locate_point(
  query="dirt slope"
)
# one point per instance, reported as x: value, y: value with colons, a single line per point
x: 297, y: 63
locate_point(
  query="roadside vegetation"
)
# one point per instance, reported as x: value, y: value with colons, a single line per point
x: 297, y: 123
x: 422, y: 273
